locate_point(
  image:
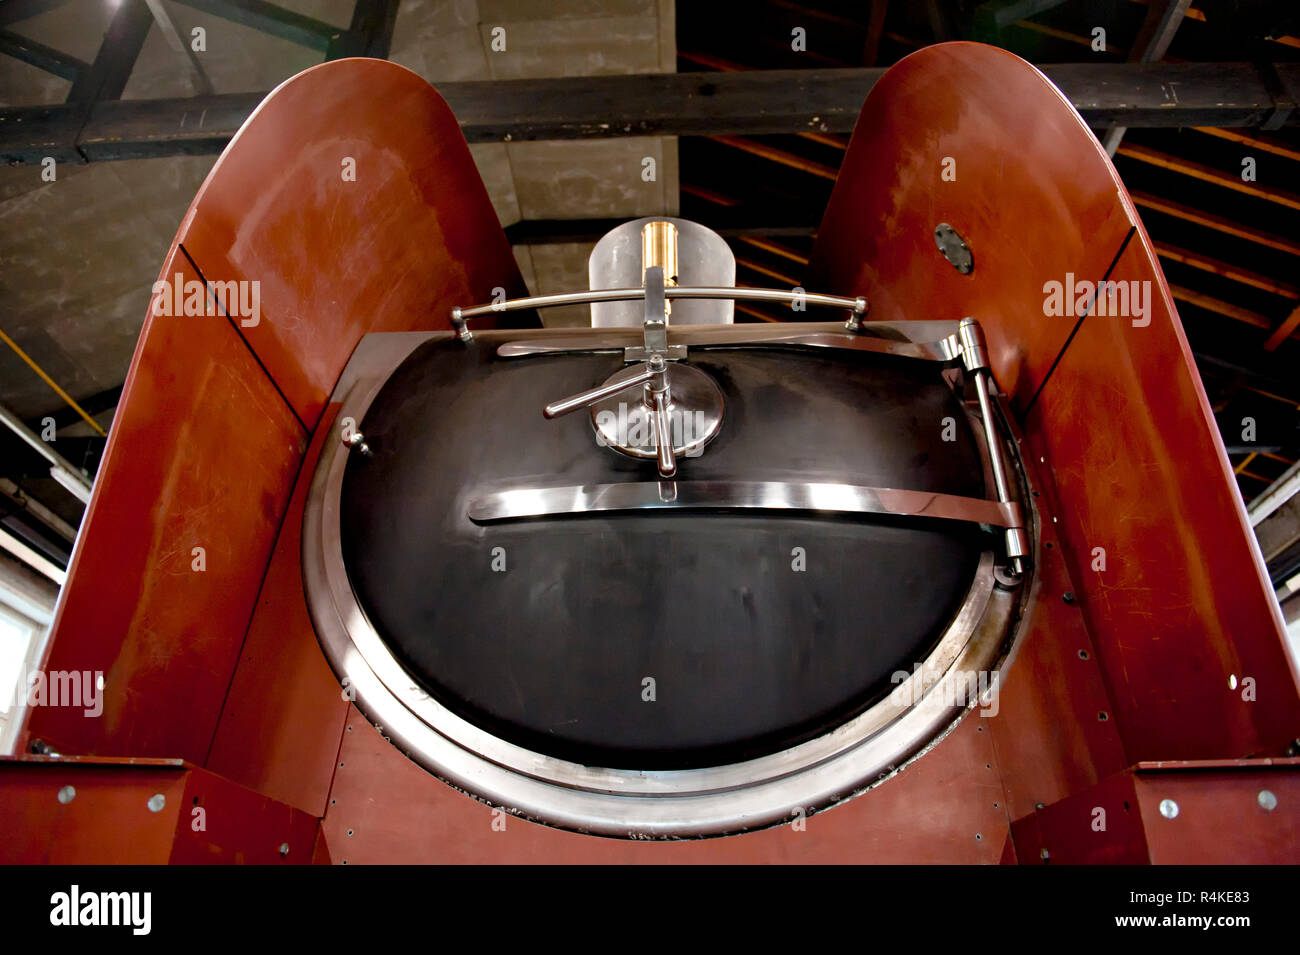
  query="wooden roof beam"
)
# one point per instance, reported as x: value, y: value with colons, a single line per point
x: 1209, y: 174
x: 1218, y: 223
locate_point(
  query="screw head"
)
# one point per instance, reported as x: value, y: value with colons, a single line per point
x: 67, y: 794
x: 1267, y: 801
x: 1168, y: 808
x: 284, y: 848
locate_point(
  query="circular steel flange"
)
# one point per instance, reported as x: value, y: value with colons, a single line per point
x: 695, y: 408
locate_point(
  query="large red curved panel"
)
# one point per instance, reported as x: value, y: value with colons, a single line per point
x: 351, y: 196
x: 200, y: 461
x: 1182, y: 612
x: 1134, y: 463
x: 214, y: 419
x: 972, y: 136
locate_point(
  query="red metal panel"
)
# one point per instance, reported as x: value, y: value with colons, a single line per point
x: 1136, y: 464
x: 1220, y: 818
x: 1184, y: 602
x: 282, y: 723
x: 394, y: 249
x: 238, y: 825
x: 1028, y: 188
x: 1100, y: 825
x: 203, y: 453
x: 88, y: 811
x: 1214, y: 816
x: 1052, y: 731
x: 385, y: 809
x: 105, y: 821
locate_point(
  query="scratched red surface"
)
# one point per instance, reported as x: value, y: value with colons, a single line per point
x: 202, y: 454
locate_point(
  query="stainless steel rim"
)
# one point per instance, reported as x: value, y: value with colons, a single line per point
x: 629, y: 803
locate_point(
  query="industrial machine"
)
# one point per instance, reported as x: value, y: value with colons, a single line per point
x: 379, y: 569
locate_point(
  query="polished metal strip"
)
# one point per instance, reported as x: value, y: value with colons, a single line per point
x: 525, y: 503
x: 941, y: 350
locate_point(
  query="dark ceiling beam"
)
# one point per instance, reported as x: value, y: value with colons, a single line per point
x: 14, y: 10
x: 1156, y: 33
x: 996, y: 14
x: 1066, y: 36
x: 746, y: 103
x: 107, y: 76
x: 779, y: 156
x: 41, y: 56
x: 1227, y: 270
x: 1284, y: 331
x: 1267, y: 375
x: 1254, y: 142
x: 1217, y: 177
x: 1215, y: 222
x: 370, y: 33
x: 875, y: 32
x: 568, y: 231
x: 268, y: 18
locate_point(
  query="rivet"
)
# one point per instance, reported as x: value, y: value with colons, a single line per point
x: 156, y: 802
x: 284, y: 848
x: 1168, y: 808
x: 1267, y: 801
x: 67, y: 794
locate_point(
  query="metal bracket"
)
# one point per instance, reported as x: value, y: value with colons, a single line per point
x: 975, y: 359
x: 1283, y: 83
x: 655, y: 327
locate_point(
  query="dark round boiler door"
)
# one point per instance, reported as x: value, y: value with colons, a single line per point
x: 659, y: 640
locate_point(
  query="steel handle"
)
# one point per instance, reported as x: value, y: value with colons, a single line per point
x: 586, y: 398
x: 664, y: 436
